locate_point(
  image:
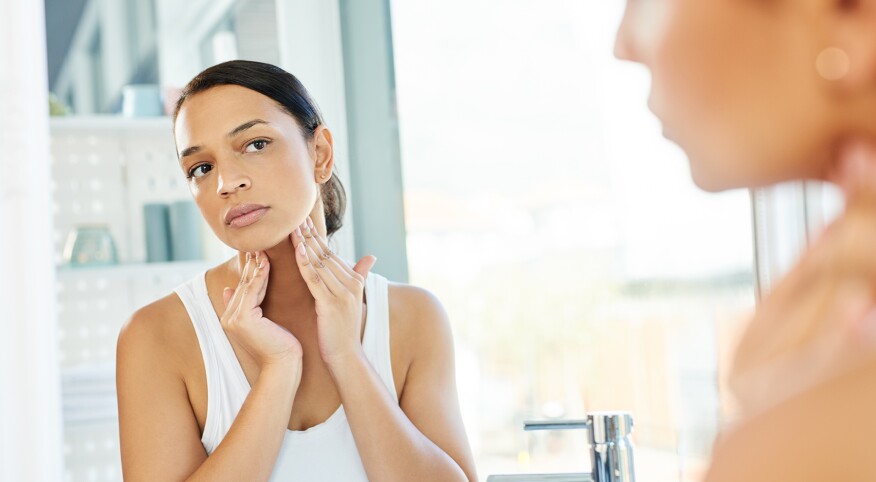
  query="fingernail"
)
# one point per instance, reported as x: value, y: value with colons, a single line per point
x: 298, y: 231
x: 302, y: 250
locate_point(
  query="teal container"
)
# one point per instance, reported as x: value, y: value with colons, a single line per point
x: 156, y: 224
x: 185, y: 231
x: 90, y: 245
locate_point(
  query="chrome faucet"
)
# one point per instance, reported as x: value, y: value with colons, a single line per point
x: 611, y: 452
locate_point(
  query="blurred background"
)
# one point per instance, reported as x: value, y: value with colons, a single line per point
x: 495, y: 153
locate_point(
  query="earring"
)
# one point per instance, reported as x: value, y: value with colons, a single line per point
x: 322, y: 176
x: 833, y: 63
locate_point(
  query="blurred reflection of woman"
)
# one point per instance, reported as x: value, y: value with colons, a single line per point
x: 759, y: 92
x: 292, y: 374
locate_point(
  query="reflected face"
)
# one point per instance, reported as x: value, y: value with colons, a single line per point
x: 734, y: 84
x: 238, y: 146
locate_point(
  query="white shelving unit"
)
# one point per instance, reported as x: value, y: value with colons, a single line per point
x: 103, y: 170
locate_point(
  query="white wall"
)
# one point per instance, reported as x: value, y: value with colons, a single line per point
x: 30, y: 405
x: 311, y: 49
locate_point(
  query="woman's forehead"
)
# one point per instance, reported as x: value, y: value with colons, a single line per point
x: 227, y: 101
x: 219, y: 110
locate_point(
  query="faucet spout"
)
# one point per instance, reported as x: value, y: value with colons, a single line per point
x: 611, y: 451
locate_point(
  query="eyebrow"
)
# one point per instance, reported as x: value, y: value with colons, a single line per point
x: 237, y: 130
x: 245, y: 126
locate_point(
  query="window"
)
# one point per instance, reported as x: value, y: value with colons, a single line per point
x: 581, y: 268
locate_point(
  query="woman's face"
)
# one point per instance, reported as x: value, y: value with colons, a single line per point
x: 736, y: 86
x: 238, y: 146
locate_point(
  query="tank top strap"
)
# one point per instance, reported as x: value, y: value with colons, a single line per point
x: 227, y: 386
x: 375, y: 342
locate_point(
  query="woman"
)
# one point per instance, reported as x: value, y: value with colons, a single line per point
x: 758, y: 92
x: 293, y: 374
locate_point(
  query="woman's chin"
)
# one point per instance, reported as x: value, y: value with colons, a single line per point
x: 706, y: 177
x: 708, y: 184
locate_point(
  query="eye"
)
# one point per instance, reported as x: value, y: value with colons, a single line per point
x: 198, y: 170
x: 257, y: 145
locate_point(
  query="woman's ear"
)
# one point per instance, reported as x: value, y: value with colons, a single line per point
x: 853, y: 32
x: 324, y: 154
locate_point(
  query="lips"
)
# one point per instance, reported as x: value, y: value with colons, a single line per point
x: 241, y: 210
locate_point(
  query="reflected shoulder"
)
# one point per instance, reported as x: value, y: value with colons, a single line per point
x: 418, y: 320
x: 159, y: 331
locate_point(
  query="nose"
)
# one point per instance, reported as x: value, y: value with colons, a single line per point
x: 624, y: 42
x: 231, y: 179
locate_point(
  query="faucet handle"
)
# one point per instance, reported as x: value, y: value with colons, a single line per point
x: 604, y: 426
x: 555, y: 425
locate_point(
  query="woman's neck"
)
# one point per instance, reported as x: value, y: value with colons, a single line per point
x: 288, y: 300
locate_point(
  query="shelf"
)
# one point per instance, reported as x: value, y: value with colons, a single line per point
x: 128, y: 270
x: 110, y: 122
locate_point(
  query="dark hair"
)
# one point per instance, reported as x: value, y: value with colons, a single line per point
x: 288, y: 92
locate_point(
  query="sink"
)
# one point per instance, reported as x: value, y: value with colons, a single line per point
x: 541, y: 478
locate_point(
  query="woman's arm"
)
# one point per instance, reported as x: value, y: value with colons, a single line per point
x: 422, y: 436
x: 422, y: 439
x: 159, y: 433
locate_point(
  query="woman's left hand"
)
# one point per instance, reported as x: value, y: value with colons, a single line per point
x: 338, y: 290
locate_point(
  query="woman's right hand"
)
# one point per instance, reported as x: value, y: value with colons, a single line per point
x: 266, y: 342
x: 820, y: 320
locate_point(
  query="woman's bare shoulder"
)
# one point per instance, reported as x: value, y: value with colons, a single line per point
x: 811, y: 436
x: 160, y: 331
x: 418, y: 321
x: 413, y: 309
x: 410, y: 298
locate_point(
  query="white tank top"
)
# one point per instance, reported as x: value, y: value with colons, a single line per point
x: 324, y: 452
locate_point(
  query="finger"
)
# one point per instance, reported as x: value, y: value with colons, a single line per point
x: 249, y: 301
x: 324, y: 268
x: 363, y: 267
x: 341, y: 271
x: 297, y: 237
x: 253, y: 266
x: 314, y: 281
x: 234, y: 300
x: 319, y: 244
x: 845, y: 249
x: 334, y: 272
x: 263, y: 284
x: 227, y: 293
x: 310, y: 232
x: 250, y: 290
x: 856, y: 169
x: 256, y: 283
x: 324, y: 251
x: 246, y: 266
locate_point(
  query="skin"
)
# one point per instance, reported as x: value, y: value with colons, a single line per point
x: 294, y: 313
x: 744, y: 87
